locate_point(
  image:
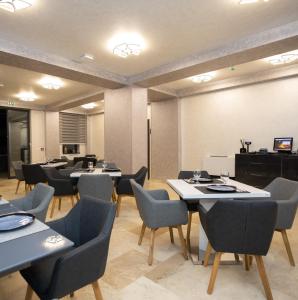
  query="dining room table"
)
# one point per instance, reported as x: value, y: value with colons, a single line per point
x: 57, y: 165
x: 22, y: 247
x: 96, y: 171
x: 206, y: 193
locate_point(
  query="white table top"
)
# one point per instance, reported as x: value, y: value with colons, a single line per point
x: 188, y: 191
x: 97, y: 171
x: 54, y: 165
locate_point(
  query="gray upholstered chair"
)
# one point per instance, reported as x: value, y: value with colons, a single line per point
x: 89, y: 225
x: 37, y: 201
x: 98, y: 186
x: 156, y: 211
x: 67, y: 171
x: 17, y: 166
x: 285, y: 193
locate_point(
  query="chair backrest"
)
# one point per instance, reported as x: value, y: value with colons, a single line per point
x: 90, y: 155
x: 285, y: 192
x: 37, y: 201
x: 77, y: 165
x: 17, y: 166
x: 33, y: 173
x: 189, y: 174
x: 145, y: 203
x: 98, y: 186
x: 89, y: 225
x: 52, y: 174
x: 241, y: 226
x: 140, y: 176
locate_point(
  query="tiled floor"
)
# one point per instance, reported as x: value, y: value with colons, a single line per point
x: 128, y: 277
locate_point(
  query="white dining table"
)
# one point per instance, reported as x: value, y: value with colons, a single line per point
x: 54, y: 165
x: 97, y: 171
x: 190, y: 192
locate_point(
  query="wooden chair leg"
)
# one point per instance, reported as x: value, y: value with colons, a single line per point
x: 71, y: 295
x: 207, y: 254
x: 96, y: 290
x: 142, y: 234
x: 237, y: 259
x: 171, y: 235
x: 151, y: 249
x: 60, y: 202
x: 77, y: 197
x: 53, y: 207
x: 246, y: 262
x: 18, y: 185
x: 119, y: 198
x: 114, y: 196
x: 29, y: 293
x: 262, y: 272
x: 72, y: 201
x: 214, y: 273
x: 182, y: 241
x: 189, y: 230
x: 288, y: 247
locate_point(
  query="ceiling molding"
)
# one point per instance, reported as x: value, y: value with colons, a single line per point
x: 75, y: 102
x: 253, y: 78
x: 33, y: 60
x: 275, y: 41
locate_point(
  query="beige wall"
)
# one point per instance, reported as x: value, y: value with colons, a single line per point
x: 52, y: 134
x: 164, y: 139
x: 95, y: 136
x: 213, y: 123
x: 125, y: 127
x: 37, y: 136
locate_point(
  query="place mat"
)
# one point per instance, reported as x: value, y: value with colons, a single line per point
x: 204, y: 190
x: 35, y: 227
x: 209, y: 182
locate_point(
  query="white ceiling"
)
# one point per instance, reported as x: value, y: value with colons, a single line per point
x: 239, y: 70
x: 173, y: 29
x: 16, y: 80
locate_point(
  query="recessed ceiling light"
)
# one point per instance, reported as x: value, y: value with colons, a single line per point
x: 203, y: 77
x: 251, y: 1
x: 51, y: 83
x: 89, y: 105
x: 27, y: 96
x: 126, y: 44
x: 1, y: 84
x: 14, y: 5
x: 284, y: 58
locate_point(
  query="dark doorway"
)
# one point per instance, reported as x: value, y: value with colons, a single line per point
x: 3, y: 144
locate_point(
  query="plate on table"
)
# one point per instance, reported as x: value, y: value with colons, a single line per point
x: 200, y: 180
x: 222, y: 188
x: 15, y: 221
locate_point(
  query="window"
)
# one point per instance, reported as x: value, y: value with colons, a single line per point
x: 73, y: 128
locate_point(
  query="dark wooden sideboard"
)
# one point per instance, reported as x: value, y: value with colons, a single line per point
x: 258, y: 169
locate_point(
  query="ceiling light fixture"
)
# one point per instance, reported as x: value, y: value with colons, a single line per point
x: 89, y: 105
x: 14, y: 5
x: 27, y: 96
x: 87, y: 56
x: 51, y: 83
x: 126, y: 44
x: 250, y: 1
x: 203, y: 77
x: 284, y: 58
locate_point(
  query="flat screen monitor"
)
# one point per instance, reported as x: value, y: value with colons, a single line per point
x: 284, y: 144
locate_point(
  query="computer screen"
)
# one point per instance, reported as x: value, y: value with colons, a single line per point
x: 283, y: 144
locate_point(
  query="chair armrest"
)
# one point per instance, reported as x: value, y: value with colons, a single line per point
x: 286, y: 212
x: 167, y: 213
x: 58, y: 225
x: 159, y: 194
x: 123, y: 186
x: 19, y: 203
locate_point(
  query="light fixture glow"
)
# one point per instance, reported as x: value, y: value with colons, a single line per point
x: 89, y: 105
x: 27, y: 96
x: 250, y: 1
x: 14, y: 5
x: 203, y: 77
x: 284, y: 58
x: 87, y: 56
x: 126, y: 44
x: 51, y: 83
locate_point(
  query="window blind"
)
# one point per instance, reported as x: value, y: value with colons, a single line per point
x: 73, y: 128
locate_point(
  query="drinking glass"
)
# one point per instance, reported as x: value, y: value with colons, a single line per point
x: 104, y: 164
x: 90, y: 165
x: 224, y: 176
x: 196, y: 175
